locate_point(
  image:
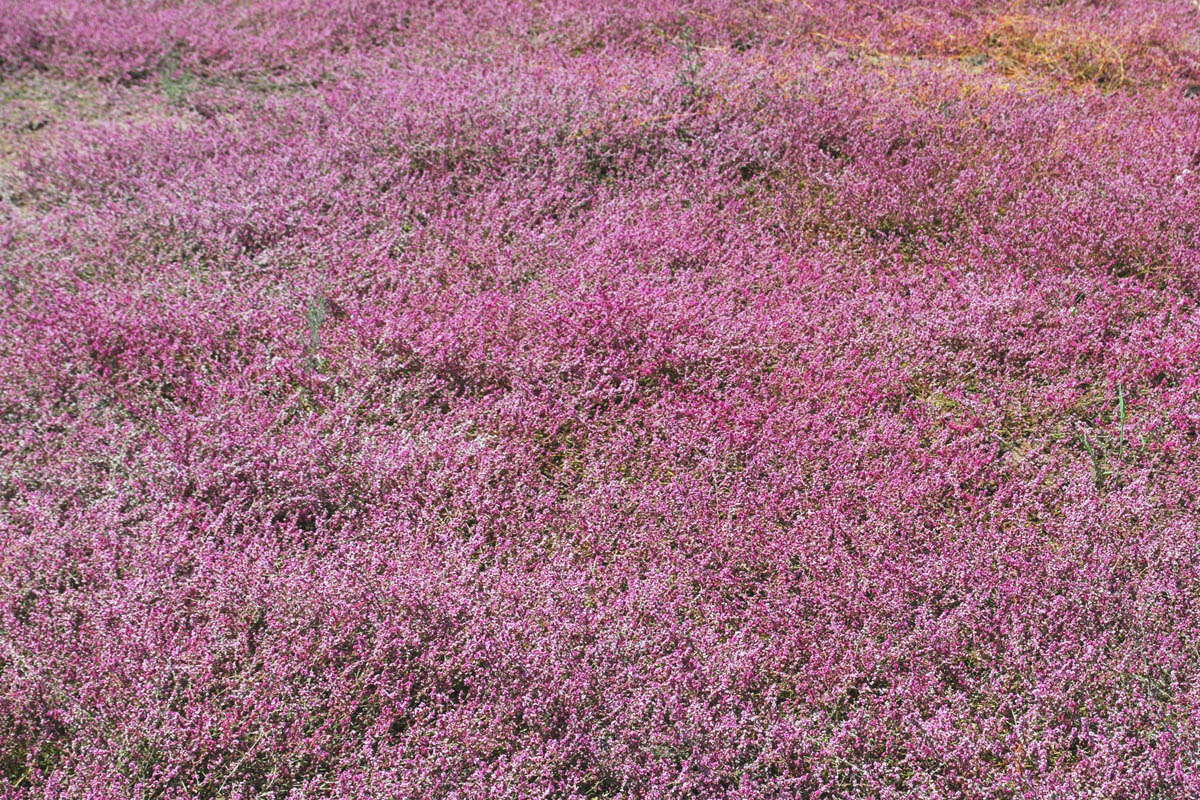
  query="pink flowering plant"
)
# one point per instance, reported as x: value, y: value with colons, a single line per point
x: 579, y: 399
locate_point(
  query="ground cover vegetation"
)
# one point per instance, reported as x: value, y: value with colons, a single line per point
x: 562, y: 399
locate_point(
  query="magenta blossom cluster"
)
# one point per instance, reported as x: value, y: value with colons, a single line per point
x: 582, y: 399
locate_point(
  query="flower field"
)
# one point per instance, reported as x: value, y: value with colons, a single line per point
x: 576, y: 399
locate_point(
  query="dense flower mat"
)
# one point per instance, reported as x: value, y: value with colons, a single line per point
x: 604, y: 400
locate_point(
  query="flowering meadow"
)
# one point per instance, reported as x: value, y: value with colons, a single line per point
x: 578, y: 399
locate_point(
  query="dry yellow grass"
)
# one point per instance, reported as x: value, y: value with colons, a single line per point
x: 1026, y: 44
